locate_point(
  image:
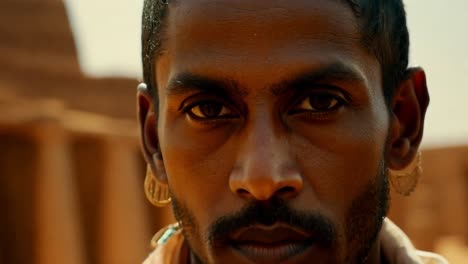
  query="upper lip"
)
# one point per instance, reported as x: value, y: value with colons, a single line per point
x: 277, y: 233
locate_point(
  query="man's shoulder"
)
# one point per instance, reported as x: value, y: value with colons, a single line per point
x: 398, y: 249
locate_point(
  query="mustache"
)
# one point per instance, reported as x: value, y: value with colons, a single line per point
x: 268, y: 213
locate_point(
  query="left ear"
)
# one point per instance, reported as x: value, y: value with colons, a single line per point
x: 409, y: 109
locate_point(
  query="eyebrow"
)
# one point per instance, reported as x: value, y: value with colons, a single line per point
x: 187, y: 82
x: 331, y: 72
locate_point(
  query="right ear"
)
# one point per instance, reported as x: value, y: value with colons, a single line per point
x: 147, y: 120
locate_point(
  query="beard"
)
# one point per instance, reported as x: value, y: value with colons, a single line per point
x: 363, y: 222
x: 365, y: 217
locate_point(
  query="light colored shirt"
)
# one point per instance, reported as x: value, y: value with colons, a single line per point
x: 396, y: 247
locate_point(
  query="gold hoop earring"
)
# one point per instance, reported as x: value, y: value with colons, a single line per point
x: 404, y: 181
x: 156, y: 193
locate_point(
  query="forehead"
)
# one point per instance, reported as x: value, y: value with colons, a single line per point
x: 230, y: 37
x: 239, y: 22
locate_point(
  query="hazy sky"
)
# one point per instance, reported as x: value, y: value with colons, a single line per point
x: 107, y: 34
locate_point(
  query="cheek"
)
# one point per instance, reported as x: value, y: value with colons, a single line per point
x: 339, y: 160
x: 198, y: 165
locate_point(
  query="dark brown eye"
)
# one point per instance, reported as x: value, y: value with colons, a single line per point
x: 322, y: 102
x: 319, y: 103
x: 209, y: 110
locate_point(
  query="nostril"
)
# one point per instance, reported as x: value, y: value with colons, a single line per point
x: 286, y: 190
x: 242, y: 191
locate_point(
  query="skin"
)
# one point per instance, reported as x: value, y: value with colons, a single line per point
x: 299, y: 116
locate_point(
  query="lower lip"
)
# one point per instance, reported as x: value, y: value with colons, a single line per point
x: 274, y: 253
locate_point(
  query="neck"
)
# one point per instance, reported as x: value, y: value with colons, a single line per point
x: 186, y: 254
x: 375, y: 254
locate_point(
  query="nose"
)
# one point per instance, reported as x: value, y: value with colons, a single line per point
x: 265, y: 167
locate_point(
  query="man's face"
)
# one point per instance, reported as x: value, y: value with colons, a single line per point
x: 272, y: 127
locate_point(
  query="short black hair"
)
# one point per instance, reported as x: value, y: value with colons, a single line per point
x: 382, y: 24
